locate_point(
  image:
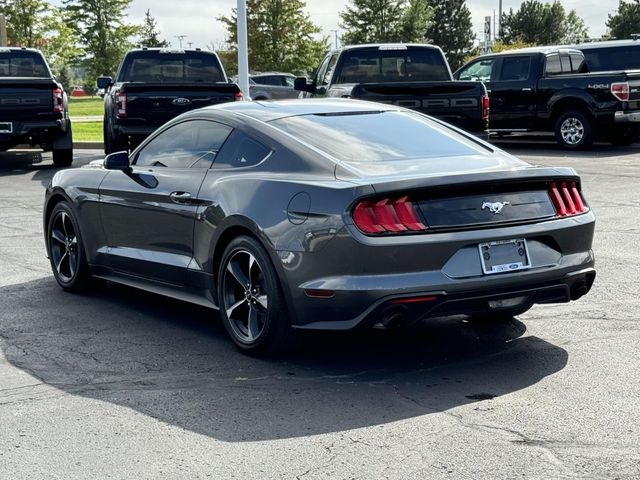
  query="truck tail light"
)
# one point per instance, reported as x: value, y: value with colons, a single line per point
x: 566, y: 199
x: 620, y: 90
x: 58, y: 100
x: 238, y: 97
x: 485, y: 107
x: 387, y: 216
x: 121, y: 105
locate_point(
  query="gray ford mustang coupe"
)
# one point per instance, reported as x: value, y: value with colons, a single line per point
x: 329, y: 214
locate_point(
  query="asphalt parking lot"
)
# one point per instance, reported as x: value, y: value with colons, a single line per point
x: 121, y: 384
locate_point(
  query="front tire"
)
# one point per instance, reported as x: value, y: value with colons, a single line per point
x: 574, y: 130
x: 250, y: 298
x: 66, y: 251
x: 63, y: 157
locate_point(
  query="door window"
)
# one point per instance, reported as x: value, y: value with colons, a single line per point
x: 190, y: 144
x: 321, y: 70
x: 515, y: 69
x: 326, y: 78
x: 478, y: 72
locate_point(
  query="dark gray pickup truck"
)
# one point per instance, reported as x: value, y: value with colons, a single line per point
x: 153, y: 86
x: 408, y: 75
x: 33, y: 105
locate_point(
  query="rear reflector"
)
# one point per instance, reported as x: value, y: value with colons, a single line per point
x: 566, y: 199
x: 387, y: 216
x: 413, y: 300
x: 315, y: 293
x: 620, y: 90
x: 58, y: 100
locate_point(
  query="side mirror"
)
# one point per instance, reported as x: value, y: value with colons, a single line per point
x: 117, y: 161
x: 104, y: 82
x: 302, y: 84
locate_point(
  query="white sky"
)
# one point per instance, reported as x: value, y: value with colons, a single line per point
x: 197, y: 18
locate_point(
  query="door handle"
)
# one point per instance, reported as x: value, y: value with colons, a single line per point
x: 526, y: 89
x: 180, y: 197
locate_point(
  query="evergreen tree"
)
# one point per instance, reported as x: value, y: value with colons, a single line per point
x: 149, y: 34
x: 415, y: 21
x: 372, y: 21
x: 25, y: 21
x: 451, y: 29
x: 281, y: 36
x: 626, y: 21
x: 102, y: 30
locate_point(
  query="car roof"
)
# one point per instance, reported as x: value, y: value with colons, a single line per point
x: 606, y: 43
x: 268, y: 111
x: 542, y: 50
x: 263, y: 74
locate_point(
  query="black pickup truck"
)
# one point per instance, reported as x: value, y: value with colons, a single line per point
x: 407, y: 75
x: 33, y: 105
x: 546, y: 89
x: 153, y: 86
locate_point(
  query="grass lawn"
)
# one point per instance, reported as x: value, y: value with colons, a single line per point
x: 83, y: 106
x: 87, y: 132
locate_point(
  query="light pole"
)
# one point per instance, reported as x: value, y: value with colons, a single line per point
x: 243, y: 52
x: 335, y: 32
x: 180, y: 38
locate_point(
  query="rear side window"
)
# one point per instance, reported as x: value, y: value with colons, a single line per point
x: 613, y: 58
x: 190, y: 144
x: 22, y: 64
x: 577, y: 63
x: 552, y: 65
x: 515, y: 68
x: 241, y: 151
x: 413, y: 64
x: 171, y: 67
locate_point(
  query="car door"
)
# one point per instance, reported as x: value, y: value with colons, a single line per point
x: 148, y: 212
x: 513, y: 94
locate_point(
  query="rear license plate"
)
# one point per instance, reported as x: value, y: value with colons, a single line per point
x: 6, y: 127
x: 504, y: 256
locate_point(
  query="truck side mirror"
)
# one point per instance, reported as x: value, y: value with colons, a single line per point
x: 104, y: 82
x: 302, y: 84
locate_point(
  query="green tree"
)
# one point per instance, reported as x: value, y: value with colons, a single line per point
x: 103, y: 32
x: 451, y: 29
x: 281, y: 36
x: 542, y: 24
x: 626, y: 21
x: 372, y: 21
x: 25, y: 21
x: 415, y: 21
x: 149, y: 34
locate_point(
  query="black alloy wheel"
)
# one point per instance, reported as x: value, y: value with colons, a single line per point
x: 250, y: 300
x: 66, y: 253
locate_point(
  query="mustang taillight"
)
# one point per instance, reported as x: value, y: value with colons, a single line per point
x: 58, y: 100
x: 620, y: 90
x: 387, y: 216
x: 485, y: 107
x: 566, y: 199
x: 121, y: 105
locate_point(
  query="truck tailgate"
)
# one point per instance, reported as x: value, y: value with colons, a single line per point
x: 456, y: 102
x: 162, y: 102
x: 23, y: 99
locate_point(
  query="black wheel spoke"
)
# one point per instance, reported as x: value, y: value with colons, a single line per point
x: 253, y: 329
x: 234, y: 268
x: 263, y: 301
x: 62, y: 259
x: 58, y: 236
x: 233, y: 307
x: 72, y: 259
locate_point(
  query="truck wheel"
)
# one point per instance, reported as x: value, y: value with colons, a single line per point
x: 625, y: 136
x: 112, y: 143
x: 574, y: 130
x: 63, y: 157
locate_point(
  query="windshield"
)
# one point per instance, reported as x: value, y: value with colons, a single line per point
x: 171, y: 67
x: 415, y: 64
x: 23, y: 64
x: 376, y: 136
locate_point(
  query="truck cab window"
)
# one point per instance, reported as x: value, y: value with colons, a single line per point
x: 515, y: 69
x: 478, y: 72
x: 552, y: 66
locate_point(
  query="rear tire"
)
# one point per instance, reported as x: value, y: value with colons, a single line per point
x: 112, y: 143
x: 574, y: 130
x: 625, y: 136
x: 63, y: 157
x: 252, y: 306
x: 66, y: 250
